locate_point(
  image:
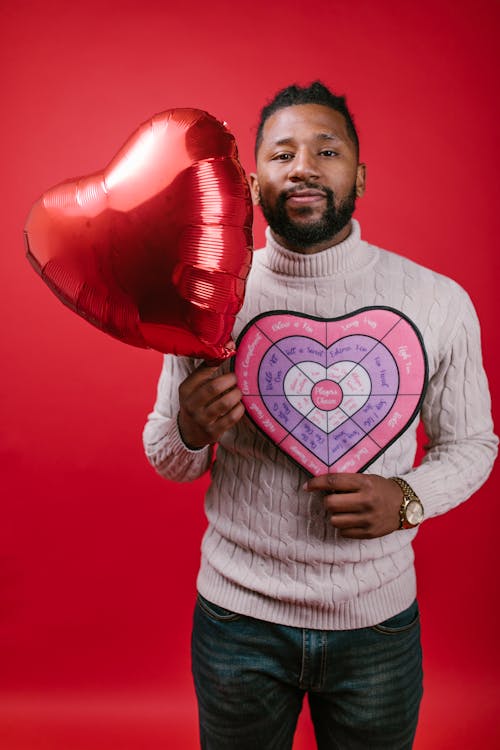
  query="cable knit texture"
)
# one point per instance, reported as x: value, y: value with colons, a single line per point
x: 269, y: 550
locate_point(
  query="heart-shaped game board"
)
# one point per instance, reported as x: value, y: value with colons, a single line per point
x: 332, y: 394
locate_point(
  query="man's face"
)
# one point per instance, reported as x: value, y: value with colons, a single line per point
x: 308, y: 177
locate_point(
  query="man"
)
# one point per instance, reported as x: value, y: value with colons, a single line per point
x: 307, y: 585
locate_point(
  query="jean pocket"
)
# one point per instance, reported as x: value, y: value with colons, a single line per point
x: 215, y: 612
x: 400, y: 623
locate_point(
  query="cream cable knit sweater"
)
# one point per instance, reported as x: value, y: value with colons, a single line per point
x: 269, y: 551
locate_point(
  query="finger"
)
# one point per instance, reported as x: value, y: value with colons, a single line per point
x: 347, y: 521
x: 335, y: 482
x: 208, y: 389
x: 346, y: 502
x: 221, y: 406
x: 217, y: 428
x: 217, y: 388
x: 199, y: 376
x: 352, y: 526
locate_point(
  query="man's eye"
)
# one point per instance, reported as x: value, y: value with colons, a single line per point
x: 283, y: 157
x: 328, y: 152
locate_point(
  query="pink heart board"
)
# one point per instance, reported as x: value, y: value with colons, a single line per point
x: 332, y: 394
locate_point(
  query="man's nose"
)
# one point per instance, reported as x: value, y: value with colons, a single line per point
x: 303, y: 167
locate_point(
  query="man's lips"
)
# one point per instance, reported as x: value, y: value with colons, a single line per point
x: 301, y: 197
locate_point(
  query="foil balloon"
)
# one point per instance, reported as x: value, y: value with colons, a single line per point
x: 155, y: 249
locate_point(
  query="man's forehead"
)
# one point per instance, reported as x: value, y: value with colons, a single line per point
x: 313, y: 120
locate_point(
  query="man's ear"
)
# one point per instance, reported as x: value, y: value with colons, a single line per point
x: 254, y: 188
x: 360, y: 180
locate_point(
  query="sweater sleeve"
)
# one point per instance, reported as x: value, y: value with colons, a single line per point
x: 163, y: 444
x: 456, y: 414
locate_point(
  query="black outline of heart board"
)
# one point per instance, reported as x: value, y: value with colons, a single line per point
x: 334, y: 320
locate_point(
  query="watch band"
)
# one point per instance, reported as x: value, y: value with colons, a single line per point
x: 410, y: 498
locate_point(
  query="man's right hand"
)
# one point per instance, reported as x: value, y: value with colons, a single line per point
x: 209, y: 406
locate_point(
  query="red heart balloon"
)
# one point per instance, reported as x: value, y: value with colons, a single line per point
x: 154, y: 250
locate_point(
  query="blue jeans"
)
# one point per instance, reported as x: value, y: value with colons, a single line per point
x: 364, y: 686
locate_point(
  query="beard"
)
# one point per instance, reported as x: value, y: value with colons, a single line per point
x: 302, y: 235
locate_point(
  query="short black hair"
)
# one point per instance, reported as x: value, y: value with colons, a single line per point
x: 315, y: 93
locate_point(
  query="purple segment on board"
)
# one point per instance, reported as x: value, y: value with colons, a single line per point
x: 373, y: 412
x: 273, y: 368
x: 343, y: 439
x: 383, y: 370
x: 300, y: 349
x: 352, y: 348
x: 312, y: 438
x: 282, y: 411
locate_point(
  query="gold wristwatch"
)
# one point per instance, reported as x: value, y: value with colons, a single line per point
x: 411, y: 512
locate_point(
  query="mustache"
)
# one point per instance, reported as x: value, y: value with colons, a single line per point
x: 303, y: 187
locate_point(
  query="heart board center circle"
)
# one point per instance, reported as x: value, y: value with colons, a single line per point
x: 326, y: 395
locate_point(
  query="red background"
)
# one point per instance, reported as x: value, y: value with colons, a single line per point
x: 98, y: 555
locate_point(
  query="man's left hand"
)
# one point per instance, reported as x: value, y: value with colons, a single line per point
x: 362, y: 506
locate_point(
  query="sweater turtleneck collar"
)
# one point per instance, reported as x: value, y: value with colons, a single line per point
x: 350, y: 255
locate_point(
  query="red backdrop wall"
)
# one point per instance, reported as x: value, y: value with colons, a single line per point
x: 98, y: 556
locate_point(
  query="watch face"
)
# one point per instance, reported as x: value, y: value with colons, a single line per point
x: 414, y: 513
